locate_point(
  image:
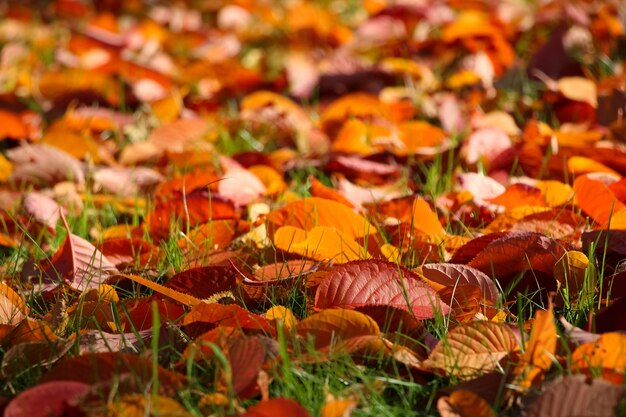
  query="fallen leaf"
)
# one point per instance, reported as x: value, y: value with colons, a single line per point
x: 45, y: 399
x: 472, y: 349
x: 578, y: 395
x: 463, y: 404
x: 372, y: 283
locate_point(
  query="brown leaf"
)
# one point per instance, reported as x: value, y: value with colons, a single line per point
x: 196, y: 208
x: 27, y: 356
x: 472, y: 349
x: 333, y: 326
x: 93, y: 368
x: 123, y: 250
x: 578, y: 395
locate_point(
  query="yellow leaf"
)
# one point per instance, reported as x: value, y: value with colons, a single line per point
x: 320, y: 243
x: 283, y: 314
x: 579, y: 89
x: 74, y: 142
x: 139, y: 405
x: 556, y: 193
x: 579, y: 165
x: 578, y: 139
x: 271, y: 179
x: 618, y: 220
x: 353, y: 138
x: 6, y: 168
x: 469, y: 23
x: 307, y: 213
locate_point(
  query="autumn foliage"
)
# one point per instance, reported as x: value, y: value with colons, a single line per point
x: 292, y: 209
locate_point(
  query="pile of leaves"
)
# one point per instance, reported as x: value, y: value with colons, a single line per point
x: 309, y: 208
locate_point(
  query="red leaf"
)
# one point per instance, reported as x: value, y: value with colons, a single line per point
x: 373, y: 282
x: 93, y: 368
x: 196, y: 208
x: 516, y: 252
x: 78, y: 263
x: 276, y: 407
x: 246, y: 356
x: 138, y: 314
x: 122, y: 250
x: 48, y: 399
x: 450, y: 275
x: 204, y: 281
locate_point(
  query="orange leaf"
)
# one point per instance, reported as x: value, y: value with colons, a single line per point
x: 425, y: 220
x: 12, y: 126
x: 519, y: 195
x: 334, y: 325
x: 308, y: 213
x: 540, y: 349
x: 596, y: 199
x: 606, y: 355
x: 184, y: 299
x: 338, y: 408
x: 320, y: 190
x: 463, y: 403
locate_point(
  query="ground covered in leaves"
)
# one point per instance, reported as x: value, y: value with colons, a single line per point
x: 313, y: 208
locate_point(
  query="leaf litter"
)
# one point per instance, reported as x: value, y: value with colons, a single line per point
x: 312, y: 208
